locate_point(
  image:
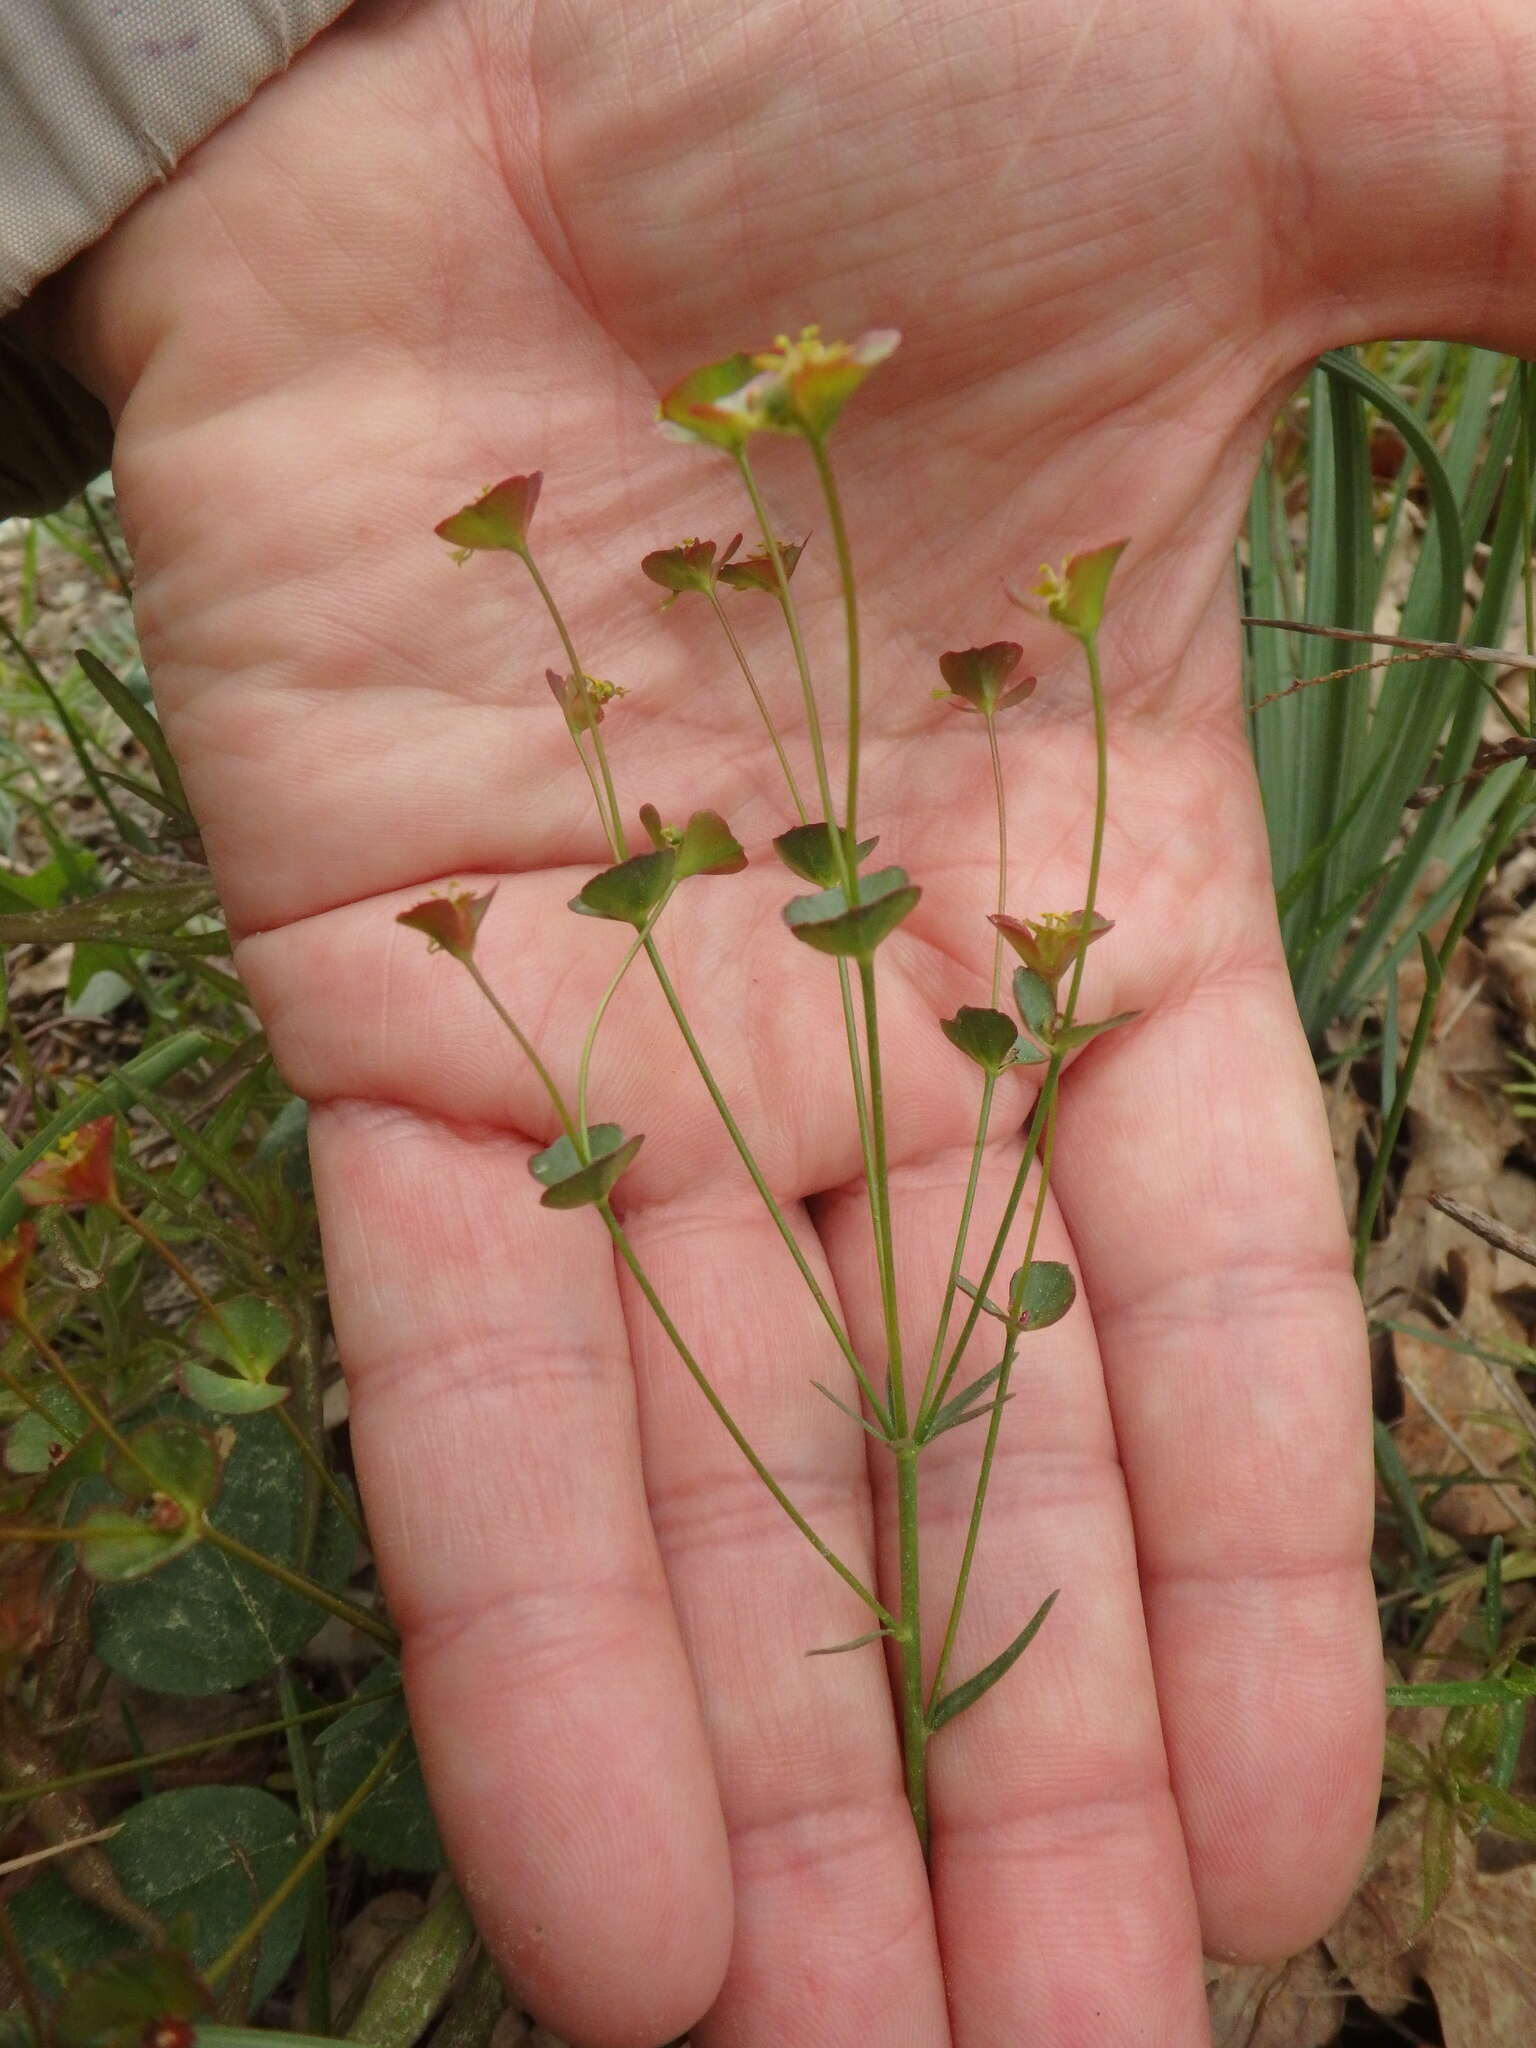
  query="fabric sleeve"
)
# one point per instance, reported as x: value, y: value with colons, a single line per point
x: 99, y: 100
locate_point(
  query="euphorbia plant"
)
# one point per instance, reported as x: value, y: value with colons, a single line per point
x: 799, y: 388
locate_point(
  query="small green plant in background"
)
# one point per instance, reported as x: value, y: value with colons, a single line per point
x: 799, y: 388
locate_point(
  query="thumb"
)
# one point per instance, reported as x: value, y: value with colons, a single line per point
x: 1412, y: 128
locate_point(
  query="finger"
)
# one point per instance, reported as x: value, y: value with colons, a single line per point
x: 1195, y: 1169
x: 834, y: 1938
x: 1060, y: 1883
x: 493, y: 1420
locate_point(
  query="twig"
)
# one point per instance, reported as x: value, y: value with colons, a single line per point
x: 1454, y: 650
x: 1499, y: 1235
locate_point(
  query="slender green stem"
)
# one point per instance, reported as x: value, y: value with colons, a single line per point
x: 914, y: 1712
x: 317, y: 1946
x: 994, y: 1256
x: 770, y: 1201
x: 525, y: 1046
x: 994, y: 1421
x: 1049, y: 1096
x: 613, y: 824
x: 104, y: 542
x: 1002, y: 854
x: 641, y: 938
x: 183, y: 1752
x: 701, y: 1379
x: 1528, y: 560
x: 757, y: 698
x: 884, y: 1248
x: 296, y: 1582
x: 273, y: 1904
x: 787, y: 605
x: 834, y: 503
x: 951, y: 1288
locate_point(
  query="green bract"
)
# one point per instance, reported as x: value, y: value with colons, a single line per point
x: 810, y: 852
x: 985, y: 1036
x: 571, y: 1182
x: 828, y: 922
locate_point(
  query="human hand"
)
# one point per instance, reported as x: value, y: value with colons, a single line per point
x: 458, y: 239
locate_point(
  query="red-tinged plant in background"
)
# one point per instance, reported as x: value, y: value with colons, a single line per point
x: 800, y: 387
x: 77, y: 1172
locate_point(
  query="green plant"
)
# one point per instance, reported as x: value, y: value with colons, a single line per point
x: 1375, y: 775
x: 799, y: 388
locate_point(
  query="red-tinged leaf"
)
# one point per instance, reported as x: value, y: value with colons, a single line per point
x: 499, y: 518
x: 77, y: 1172
x: 451, y: 923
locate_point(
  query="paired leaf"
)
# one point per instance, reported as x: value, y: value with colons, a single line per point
x: 985, y: 1036
x: 810, y: 852
x: 828, y: 922
x: 708, y: 847
x: 250, y: 1334
x: 569, y: 1181
x: 498, y: 518
x: 630, y: 892
x: 175, y: 1473
x: 144, y: 726
x: 966, y: 1695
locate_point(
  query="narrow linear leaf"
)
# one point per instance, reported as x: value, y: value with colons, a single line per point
x: 988, y: 1306
x: 141, y: 722
x: 1439, y: 1852
x: 970, y: 1415
x: 852, y: 1413
x: 953, y: 1410
x: 1083, y: 1034
x: 967, y: 1695
x: 857, y: 1643
x: 1510, y: 1815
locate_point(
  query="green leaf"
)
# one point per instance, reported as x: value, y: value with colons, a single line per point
x: 173, y: 1457
x: 220, y: 1393
x: 571, y: 1183
x: 708, y: 847
x: 1518, y: 1683
x: 116, y: 1546
x: 31, y: 1442
x: 1508, y: 1814
x: 985, y: 1036
x: 810, y: 852
x: 208, y: 1623
x: 114, y: 2004
x: 629, y: 892
x: 250, y: 1334
x: 827, y: 922
x: 1081, y: 1034
x: 212, y: 1853
x: 988, y: 1306
x: 959, y: 1409
x: 142, y: 723
x: 1036, y: 1003
x: 131, y: 916
x: 967, y: 1695
x: 394, y: 1827
x: 1049, y: 1290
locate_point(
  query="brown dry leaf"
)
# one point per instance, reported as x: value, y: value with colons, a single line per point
x: 1295, y: 2004
x: 44, y: 976
x: 1477, y: 1955
x: 1512, y: 956
x: 1448, y: 1425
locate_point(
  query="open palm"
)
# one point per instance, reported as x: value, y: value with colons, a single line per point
x: 460, y: 239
